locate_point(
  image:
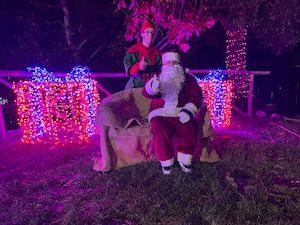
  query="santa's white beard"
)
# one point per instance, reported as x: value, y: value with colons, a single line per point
x: 171, y: 79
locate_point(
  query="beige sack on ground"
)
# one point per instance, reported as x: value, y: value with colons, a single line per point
x: 125, y: 132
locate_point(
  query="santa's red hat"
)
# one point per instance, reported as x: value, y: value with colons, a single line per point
x: 146, y: 24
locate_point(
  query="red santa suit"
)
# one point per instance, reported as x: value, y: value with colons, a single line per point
x: 176, y: 97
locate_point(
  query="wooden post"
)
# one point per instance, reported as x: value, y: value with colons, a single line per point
x: 2, y: 125
x: 250, y: 96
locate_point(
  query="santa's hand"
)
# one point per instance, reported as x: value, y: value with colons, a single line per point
x: 155, y: 83
x: 184, y: 117
x: 152, y: 86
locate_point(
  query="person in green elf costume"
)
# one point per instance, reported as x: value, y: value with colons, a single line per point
x: 142, y: 61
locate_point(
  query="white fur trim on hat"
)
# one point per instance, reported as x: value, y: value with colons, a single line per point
x: 170, y: 57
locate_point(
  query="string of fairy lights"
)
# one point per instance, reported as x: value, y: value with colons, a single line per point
x: 217, y: 91
x: 57, y: 110
x: 220, y: 88
x: 236, y: 59
x: 63, y: 110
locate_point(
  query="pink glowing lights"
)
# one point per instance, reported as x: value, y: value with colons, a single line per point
x: 218, y: 95
x: 57, y: 110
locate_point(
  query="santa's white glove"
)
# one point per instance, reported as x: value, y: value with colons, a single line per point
x: 184, y: 117
x: 155, y: 83
x: 152, y: 86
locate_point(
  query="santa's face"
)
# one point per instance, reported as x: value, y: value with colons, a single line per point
x: 171, y: 79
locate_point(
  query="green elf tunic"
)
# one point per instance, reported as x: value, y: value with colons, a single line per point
x: 131, y: 63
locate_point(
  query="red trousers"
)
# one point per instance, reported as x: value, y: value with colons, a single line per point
x: 169, y: 131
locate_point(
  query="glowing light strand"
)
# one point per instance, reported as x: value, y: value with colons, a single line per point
x: 236, y: 58
x: 218, y: 95
x: 59, y: 110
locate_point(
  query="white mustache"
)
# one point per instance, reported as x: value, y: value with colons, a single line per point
x: 171, y: 80
x: 170, y: 72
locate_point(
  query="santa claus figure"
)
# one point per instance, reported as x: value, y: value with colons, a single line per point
x: 176, y: 97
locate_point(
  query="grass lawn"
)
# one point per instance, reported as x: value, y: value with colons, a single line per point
x: 257, y: 182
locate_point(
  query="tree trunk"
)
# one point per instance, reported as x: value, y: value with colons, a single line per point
x: 68, y: 32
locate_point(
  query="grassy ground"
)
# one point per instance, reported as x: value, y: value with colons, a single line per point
x: 257, y: 182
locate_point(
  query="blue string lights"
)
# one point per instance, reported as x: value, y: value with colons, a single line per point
x: 218, y: 95
x: 54, y: 109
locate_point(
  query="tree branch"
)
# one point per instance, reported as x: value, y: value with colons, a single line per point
x: 83, y: 42
x: 180, y: 12
x: 162, y: 40
x: 95, y: 52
